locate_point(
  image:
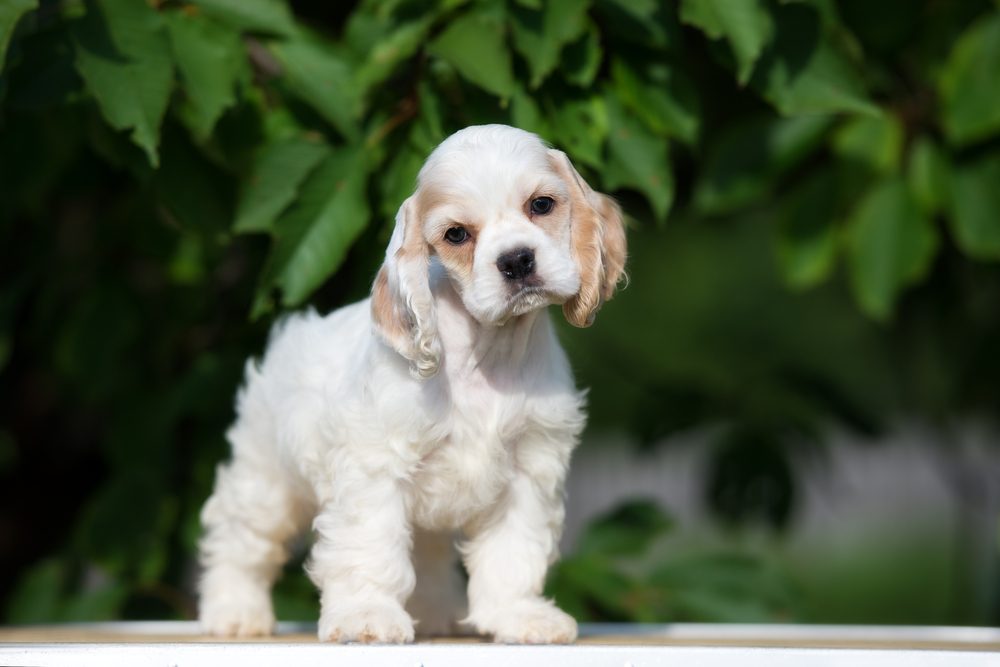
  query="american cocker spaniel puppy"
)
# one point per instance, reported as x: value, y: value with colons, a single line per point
x: 443, y: 403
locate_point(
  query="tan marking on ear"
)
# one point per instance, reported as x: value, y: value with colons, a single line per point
x: 402, y: 306
x: 597, y: 241
x: 615, y: 246
x: 390, y: 321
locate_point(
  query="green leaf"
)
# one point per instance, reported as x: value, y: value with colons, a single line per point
x: 323, y: 79
x: 627, y: 530
x: 125, y: 527
x: 123, y: 55
x: 745, y: 24
x: 968, y: 85
x: 103, y: 603
x: 661, y: 96
x: 541, y: 36
x: 745, y: 160
x: 38, y: 595
x: 873, y: 141
x: 975, y: 206
x: 929, y: 175
x: 428, y: 129
x: 722, y: 587
x: 806, y: 239
x: 313, y: 237
x: 526, y: 114
x: 591, y: 584
x: 644, y: 22
x: 805, y: 72
x: 11, y: 12
x: 399, y: 179
x: 639, y: 160
x: 582, y: 59
x: 890, y: 245
x: 278, y: 172
x: 187, y: 266
x: 263, y: 16
x: 43, y: 75
x: 474, y: 44
x: 394, y: 48
x: 194, y: 190
x: 212, y: 61
x: 580, y: 126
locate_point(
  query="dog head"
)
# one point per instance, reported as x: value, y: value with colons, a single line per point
x: 514, y: 228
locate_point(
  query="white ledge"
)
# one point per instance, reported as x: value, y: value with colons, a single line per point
x: 177, y: 644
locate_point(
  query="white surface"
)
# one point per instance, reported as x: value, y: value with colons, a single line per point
x: 474, y: 655
x: 490, y: 655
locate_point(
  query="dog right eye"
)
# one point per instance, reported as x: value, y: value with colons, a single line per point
x: 456, y: 235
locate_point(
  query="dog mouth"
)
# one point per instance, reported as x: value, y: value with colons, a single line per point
x: 526, y: 298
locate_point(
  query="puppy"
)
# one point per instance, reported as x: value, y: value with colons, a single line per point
x: 442, y: 403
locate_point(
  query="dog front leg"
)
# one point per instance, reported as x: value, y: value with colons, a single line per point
x: 361, y: 560
x: 507, y: 555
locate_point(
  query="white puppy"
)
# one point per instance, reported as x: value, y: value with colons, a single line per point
x: 442, y: 403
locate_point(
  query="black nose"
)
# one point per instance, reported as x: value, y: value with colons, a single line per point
x: 517, y: 264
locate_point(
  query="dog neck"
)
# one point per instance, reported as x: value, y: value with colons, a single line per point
x: 473, y: 347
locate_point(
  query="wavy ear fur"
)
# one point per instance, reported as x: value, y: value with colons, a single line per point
x: 598, y: 242
x: 402, y: 307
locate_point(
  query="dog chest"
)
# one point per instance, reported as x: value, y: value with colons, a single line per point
x: 466, y: 471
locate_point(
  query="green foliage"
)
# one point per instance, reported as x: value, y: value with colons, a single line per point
x: 971, y: 100
x: 123, y: 55
x: 173, y: 168
x: 314, y: 234
x: 278, y: 172
x: 745, y: 24
x: 617, y: 114
x: 10, y: 13
x: 620, y: 572
x: 539, y: 37
x: 264, y: 16
x: 805, y: 70
x: 890, y: 244
x: 211, y: 62
x: 481, y: 33
x: 975, y: 201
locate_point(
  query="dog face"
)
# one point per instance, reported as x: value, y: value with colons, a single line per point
x: 514, y: 228
x: 496, y: 215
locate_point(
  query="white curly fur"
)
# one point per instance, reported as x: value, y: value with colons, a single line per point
x: 386, y: 441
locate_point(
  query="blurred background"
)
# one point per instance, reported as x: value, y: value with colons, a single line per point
x: 793, y: 406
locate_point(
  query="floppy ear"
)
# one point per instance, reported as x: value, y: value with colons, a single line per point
x: 402, y: 307
x: 598, y: 244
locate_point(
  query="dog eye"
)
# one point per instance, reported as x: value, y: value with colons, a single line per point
x: 542, y: 205
x: 456, y: 235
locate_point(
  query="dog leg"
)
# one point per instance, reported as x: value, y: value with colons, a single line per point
x: 438, y: 600
x: 509, y: 551
x: 361, y: 559
x: 248, y: 521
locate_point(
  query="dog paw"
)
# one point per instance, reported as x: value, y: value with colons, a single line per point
x: 532, y: 621
x: 368, y: 623
x: 237, y: 616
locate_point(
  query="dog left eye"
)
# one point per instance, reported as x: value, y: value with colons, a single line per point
x: 542, y: 205
x: 456, y: 235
